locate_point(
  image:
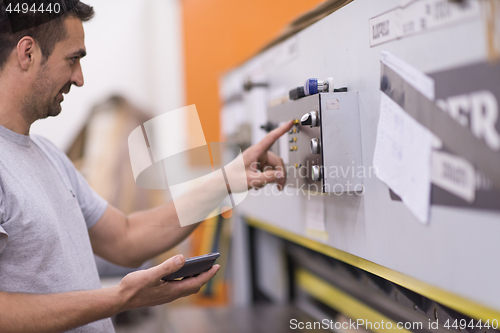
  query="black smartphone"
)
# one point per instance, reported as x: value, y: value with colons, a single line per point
x: 194, y: 266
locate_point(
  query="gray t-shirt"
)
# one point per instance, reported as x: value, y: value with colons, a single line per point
x: 46, y: 208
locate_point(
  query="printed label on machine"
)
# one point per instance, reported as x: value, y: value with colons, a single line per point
x: 315, y: 217
x: 454, y: 174
x: 420, y: 16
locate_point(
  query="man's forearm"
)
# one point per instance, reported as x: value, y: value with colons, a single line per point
x: 155, y: 231
x: 131, y: 240
x: 57, y: 312
x: 61, y: 312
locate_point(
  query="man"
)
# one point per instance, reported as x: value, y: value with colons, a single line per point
x: 51, y: 221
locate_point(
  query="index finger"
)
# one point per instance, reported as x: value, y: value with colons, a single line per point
x: 274, y: 135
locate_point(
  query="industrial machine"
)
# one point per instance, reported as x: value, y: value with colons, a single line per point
x: 339, y: 242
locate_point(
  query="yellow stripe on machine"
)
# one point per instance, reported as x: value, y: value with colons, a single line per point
x: 455, y: 302
x: 344, y: 303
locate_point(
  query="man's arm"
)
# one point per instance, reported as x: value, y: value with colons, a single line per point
x: 61, y: 312
x: 131, y: 240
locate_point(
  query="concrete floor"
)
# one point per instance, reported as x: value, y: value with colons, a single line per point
x: 148, y: 320
x: 190, y: 319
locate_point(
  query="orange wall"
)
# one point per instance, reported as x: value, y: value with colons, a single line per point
x: 221, y: 34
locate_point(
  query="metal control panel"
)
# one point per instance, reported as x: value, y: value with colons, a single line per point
x: 322, y: 151
x: 295, y: 147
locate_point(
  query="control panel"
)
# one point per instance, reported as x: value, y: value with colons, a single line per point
x: 322, y: 151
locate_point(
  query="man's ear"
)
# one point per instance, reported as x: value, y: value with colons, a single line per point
x: 26, y: 52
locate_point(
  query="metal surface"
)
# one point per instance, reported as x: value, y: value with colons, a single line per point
x: 341, y: 140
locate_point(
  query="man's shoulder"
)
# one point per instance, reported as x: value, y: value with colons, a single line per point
x: 47, y: 146
x: 44, y: 142
x: 52, y: 151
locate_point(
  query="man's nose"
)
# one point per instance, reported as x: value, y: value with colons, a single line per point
x: 77, y: 77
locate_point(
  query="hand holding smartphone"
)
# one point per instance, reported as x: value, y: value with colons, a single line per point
x: 194, y: 266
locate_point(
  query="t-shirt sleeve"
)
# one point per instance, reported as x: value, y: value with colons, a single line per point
x: 3, y: 239
x: 92, y: 205
x: 3, y: 235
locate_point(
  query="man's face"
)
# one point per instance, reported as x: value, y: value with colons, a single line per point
x: 55, y: 77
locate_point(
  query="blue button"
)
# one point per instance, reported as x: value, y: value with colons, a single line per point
x: 311, y: 86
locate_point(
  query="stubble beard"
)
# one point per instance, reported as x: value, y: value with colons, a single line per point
x: 39, y: 105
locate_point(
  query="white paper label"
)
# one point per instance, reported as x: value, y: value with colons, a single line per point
x: 384, y: 28
x: 402, y: 157
x: 332, y: 104
x: 315, y: 213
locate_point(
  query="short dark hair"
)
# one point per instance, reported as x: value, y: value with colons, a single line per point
x: 46, y: 28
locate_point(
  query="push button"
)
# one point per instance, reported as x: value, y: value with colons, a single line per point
x: 315, y: 146
x: 310, y: 118
x: 316, y: 173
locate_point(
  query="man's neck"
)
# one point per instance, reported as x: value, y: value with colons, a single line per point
x: 11, y: 116
x: 12, y: 123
